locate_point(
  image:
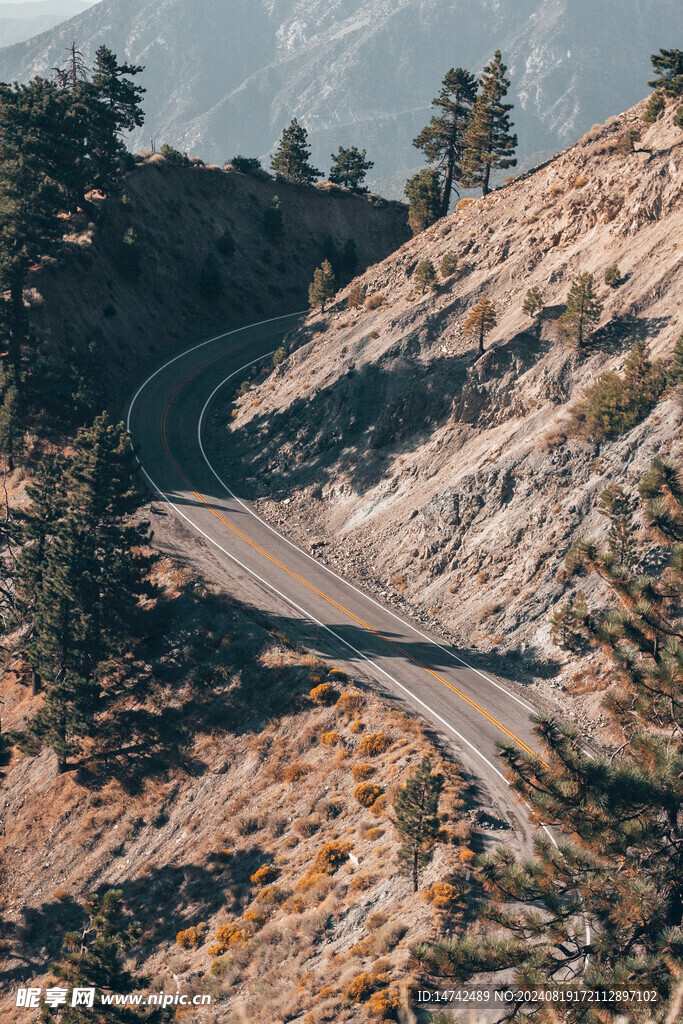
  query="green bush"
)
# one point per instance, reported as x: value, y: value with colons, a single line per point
x: 615, y: 404
x: 247, y: 164
x: 279, y: 356
x: 449, y: 264
x: 678, y: 117
x: 174, y: 156
x: 655, y: 108
x: 612, y: 276
x: 425, y: 276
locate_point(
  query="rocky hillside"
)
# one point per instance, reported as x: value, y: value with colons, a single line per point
x: 187, y: 251
x: 232, y: 823
x: 225, y: 78
x: 448, y: 483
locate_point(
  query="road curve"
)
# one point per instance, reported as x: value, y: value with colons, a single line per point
x: 211, y: 527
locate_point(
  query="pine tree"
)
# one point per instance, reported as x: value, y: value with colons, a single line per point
x: 568, y: 624
x: 416, y: 819
x: 96, y: 957
x: 583, y: 309
x: 425, y: 276
x: 350, y: 168
x: 443, y: 139
x: 481, y: 319
x: 32, y: 157
x: 424, y: 199
x: 89, y: 569
x: 291, y: 160
x: 618, y: 818
x: 534, y: 302
x: 10, y: 429
x: 668, y: 66
x: 489, y: 144
x: 676, y: 367
x: 322, y: 288
x: 617, y: 507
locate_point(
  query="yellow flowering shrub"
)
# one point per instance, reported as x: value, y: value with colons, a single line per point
x: 361, y: 988
x: 362, y: 771
x: 265, y: 874
x: 367, y: 793
x: 385, y: 1005
x: 296, y: 771
x: 330, y: 739
x: 374, y: 744
x: 323, y: 694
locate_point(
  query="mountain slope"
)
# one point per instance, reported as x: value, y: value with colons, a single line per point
x: 21, y: 21
x: 186, y: 252
x: 223, y: 79
x: 448, y: 483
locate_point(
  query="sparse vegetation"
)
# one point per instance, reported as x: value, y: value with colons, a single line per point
x: 174, y: 156
x: 613, y: 276
x: 583, y: 310
x: 425, y: 276
x: 449, y: 265
x: 615, y: 404
x: 481, y: 319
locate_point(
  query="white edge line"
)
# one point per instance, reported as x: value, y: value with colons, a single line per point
x: 317, y: 621
x: 361, y: 593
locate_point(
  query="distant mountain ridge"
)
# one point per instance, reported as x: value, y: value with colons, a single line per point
x: 223, y: 79
x: 21, y: 21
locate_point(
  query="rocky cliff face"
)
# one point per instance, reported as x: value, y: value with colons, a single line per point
x: 450, y: 483
x: 225, y: 78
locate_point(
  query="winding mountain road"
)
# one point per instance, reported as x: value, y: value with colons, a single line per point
x: 205, y: 523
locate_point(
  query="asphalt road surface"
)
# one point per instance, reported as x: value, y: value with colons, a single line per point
x: 205, y: 524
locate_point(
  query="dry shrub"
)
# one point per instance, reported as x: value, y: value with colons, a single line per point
x: 442, y: 896
x: 228, y: 935
x: 264, y: 875
x: 376, y: 920
x: 193, y: 936
x: 307, y: 827
x: 338, y: 675
x: 61, y: 894
x: 331, y: 856
x: 330, y: 738
x: 273, y: 896
x: 295, y: 905
x: 374, y: 833
x: 385, y: 1005
x: 367, y: 793
x: 357, y: 726
x: 351, y: 702
x: 362, y: 771
x: 256, y: 918
x: 374, y: 744
x: 375, y: 301
x: 580, y: 181
x: 464, y: 204
x: 246, y: 825
x: 297, y: 771
x: 361, y: 988
x: 361, y: 882
x: 399, y: 581
x: 379, y: 806
x: 388, y: 936
x: 323, y: 694
x: 554, y: 439
x: 362, y: 948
